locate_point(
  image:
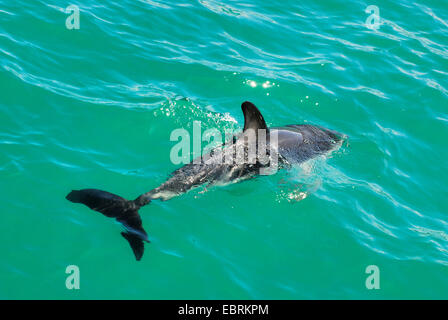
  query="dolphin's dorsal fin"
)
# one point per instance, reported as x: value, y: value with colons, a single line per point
x: 252, y: 117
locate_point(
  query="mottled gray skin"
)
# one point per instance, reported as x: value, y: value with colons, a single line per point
x: 296, y: 144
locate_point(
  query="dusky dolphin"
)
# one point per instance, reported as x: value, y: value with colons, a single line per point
x: 293, y: 144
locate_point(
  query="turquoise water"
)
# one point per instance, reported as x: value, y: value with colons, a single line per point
x: 95, y: 107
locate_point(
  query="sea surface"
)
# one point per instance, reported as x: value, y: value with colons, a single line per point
x: 94, y: 107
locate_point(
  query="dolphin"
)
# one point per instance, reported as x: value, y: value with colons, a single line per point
x: 293, y: 144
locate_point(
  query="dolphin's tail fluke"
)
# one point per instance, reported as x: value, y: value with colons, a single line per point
x: 113, y: 206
